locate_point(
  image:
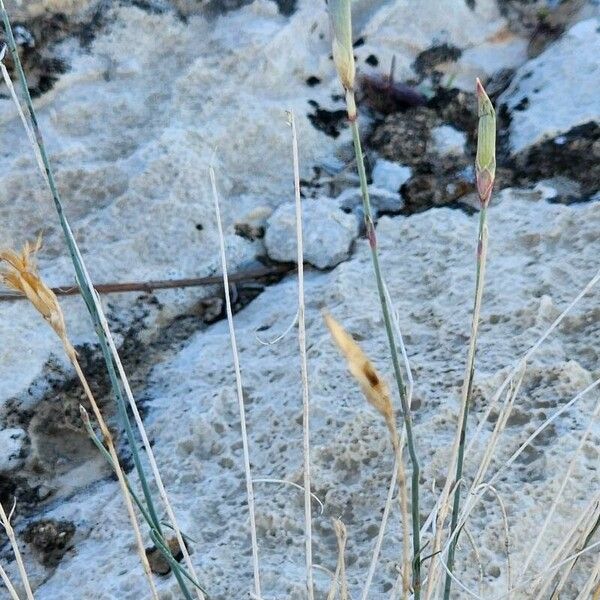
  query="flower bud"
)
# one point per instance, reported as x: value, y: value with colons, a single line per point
x: 343, y: 54
x: 485, y: 161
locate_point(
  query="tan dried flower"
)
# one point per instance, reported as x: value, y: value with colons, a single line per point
x: 373, y: 386
x: 22, y: 276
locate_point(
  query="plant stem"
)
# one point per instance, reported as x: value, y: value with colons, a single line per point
x: 8, y: 583
x: 94, y: 307
x: 5, y: 520
x: 467, y: 390
x: 76, y: 258
x: 239, y: 389
x: 371, y: 235
x: 303, y: 363
x: 116, y: 467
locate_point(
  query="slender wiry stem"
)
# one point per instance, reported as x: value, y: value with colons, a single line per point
x: 165, y: 550
x: 467, y: 390
x: 8, y: 583
x: 5, y: 520
x: 240, y: 391
x: 303, y: 364
x: 379, y: 541
x: 113, y: 363
x: 339, y: 580
x: 108, y: 440
x: 37, y: 140
x: 371, y: 234
x: 163, y: 284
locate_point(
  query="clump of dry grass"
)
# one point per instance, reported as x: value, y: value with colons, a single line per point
x: 118, y: 378
x: 378, y: 395
x: 21, y: 275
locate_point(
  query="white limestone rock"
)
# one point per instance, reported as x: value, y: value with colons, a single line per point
x: 132, y: 128
x: 328, y: 233
x: 448, y: 141
x: 540, y: 256
x: 556, y: 91
x: 404, y: 29
x: 390, y: 175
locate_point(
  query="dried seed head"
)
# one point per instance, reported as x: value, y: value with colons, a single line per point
x: 22, y: 276
x: 340, y: 533
x: 372, y: 385
x: 340, y: 12
x: 485, y: 161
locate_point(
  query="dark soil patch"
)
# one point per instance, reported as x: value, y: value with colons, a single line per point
x: 38, y: 39
x: 157, y: 561
x: 575, y: 155
x: 425, y: 64
x: 50, y: 539
x: 213, y: 8
x: 405, y: 137
x: 329, y: 122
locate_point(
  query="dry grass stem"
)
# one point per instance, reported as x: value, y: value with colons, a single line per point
x: 22, y: 276
x: 8, y: 584
x: 293, y: 484
x: 148, y: 448
x: 377, y: 394
x: 303, y: 363
x: 559, y: 494
x: 240, y: 392
x: 339, y: 580
x: 381, y: 533
x: 5, y: 520
x: 477, y: 558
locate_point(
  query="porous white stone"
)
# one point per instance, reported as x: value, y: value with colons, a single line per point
x: 557, y: 90
x: 448, y: 141
x: 540, y: 256
x: 390, y: 175
x: 328, y: 233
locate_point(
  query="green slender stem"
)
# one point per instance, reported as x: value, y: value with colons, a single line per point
x: 80, y: 271
x: 83, y: 280
x: 371, y: 234
x: 154, y: 534
x: 468, y: 388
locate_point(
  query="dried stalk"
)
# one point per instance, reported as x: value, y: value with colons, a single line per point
x: 340, y: 570
x: 22, y: 276
x: 377, y: 393
x: 8, y: 583
x: 5, y: 520
x: 303, y: 364
x: 240, y: 391
x: 340, y: 11
x: 113, y: 362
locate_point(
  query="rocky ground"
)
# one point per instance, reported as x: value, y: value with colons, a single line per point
x: 136, y: 100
